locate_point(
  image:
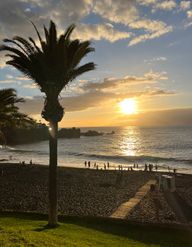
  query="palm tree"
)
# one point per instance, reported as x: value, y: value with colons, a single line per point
x: 9, y: 112
x: 52, y: 65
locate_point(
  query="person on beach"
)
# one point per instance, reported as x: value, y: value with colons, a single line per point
x: 104, y: 166
x: 146, y: 167
x: 89, y: 164
x: 156, y: 167
x: 95, y: 165
x: 85, y: 163
x: 31, y: 162
x: 150, y: 167
x: 107, y: 165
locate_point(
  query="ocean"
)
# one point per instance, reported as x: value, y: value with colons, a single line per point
x: 163, y: 146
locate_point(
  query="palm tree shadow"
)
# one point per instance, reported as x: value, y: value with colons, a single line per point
x: 45, y: 228
x: 148, y: 234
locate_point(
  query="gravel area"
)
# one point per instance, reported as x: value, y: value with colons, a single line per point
x: 184, y: 188
x: 80, y: 191
x: 88, y: 192
x: 153, y: 208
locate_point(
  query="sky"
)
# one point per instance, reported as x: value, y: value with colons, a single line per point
x: 142, y: 51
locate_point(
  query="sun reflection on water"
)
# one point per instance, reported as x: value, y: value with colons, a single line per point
x: 130, y: 141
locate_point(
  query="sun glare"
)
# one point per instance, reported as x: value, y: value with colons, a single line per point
x: 128, y: 106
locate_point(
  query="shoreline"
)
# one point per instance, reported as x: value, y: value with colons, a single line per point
x: 113, y: 167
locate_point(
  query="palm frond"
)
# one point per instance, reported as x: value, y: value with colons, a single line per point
x: 81, y: 70
x: 28, y: 47
x: 14, y: 50
x: 52, y: 35
x: 54, y: 63
x: 15, y: 43
x: 34, y: 44
x: 69, y: 31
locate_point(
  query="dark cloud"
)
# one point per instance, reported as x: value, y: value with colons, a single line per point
x: 171, y: 117
x: 86, y: 100
x: 111, y: 83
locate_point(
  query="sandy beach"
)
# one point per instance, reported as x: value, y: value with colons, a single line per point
x: 88, y: 192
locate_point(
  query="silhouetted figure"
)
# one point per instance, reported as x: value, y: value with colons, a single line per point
x: 137, y: 166
x: 89, y: 164
x: 156, y: 168
x: 104, y: 166
x: 97, y: 167
x: 150, y: 167
x: 119, y: 167
x: 174, y: 170
x: 146, y: 168
x: 134, y: 165
x: 107, y: 165
x: 31, y: 162
x: 131, y: 168
x: 85, y: 163
x: 23, y: 163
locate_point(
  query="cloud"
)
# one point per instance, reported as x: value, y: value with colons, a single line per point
x: 88, y: 100
x: 155, y: 59
x: 111, y: 83
x: 16, y: 14
x: 189, y: 24
x: 3, y: 60
x: 166, y: 5
x: 100, y: 32
x: 147, y: 2
x: 189, y: 14
x: 148, y: 25
x: 22, y: 78
x: 184, y: 5
x: 170, y: 117
x: 120, y: 11
x: 109, y: 91
x: 30, y: 86
x: 149, y: 36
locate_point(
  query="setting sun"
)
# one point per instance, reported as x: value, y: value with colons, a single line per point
x: 128, y: 106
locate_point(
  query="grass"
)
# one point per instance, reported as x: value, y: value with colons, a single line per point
x: 24, y: 229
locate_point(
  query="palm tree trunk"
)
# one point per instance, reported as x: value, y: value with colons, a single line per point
x: 53, y: 174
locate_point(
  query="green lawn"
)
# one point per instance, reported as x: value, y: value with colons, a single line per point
x: 30, y: 230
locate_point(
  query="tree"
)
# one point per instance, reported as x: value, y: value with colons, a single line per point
x: 9, y: 112
x: 52, y: 65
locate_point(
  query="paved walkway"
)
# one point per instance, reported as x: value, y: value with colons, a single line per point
x: 124, y: 209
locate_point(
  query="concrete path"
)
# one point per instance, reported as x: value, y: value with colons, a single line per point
x: 124, y: 209
x: 173, y: 203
